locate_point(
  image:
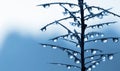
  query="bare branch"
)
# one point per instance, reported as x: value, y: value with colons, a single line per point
x: 93, y: 50
x: 99, y: 15
x: 100, y: 55
x: 104, y: 40
x: 72, y: 15
x: 56, y: 46
x: 99, y: 8
x: 55, y: 22
x: 58, y: 3
x: 101, y: 25
x: 67, y: 65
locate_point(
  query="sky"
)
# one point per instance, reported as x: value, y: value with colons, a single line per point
x: 20, y: 23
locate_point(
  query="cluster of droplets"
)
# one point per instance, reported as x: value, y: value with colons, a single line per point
x: 109, y: 56
x: 45, y: 45
x: 95, y: 63
x: 74, y: 56
x: 66, y: 65
x: 101, y: 25
x: 105, y: 40
x: 93, y: 51
x: 71, y: 54
x: 93, y: 34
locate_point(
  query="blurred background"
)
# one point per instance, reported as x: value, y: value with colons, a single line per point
x: 20, y: 35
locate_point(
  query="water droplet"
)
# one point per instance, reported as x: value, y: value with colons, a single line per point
x: 73, y: 24
x: 103, y: 58
x: 54, y: 47
x: 65, y: 13
x: 102, y: 35
x: 100, y: 16
x: 93, y: 66
x: 93, y: 27
x: 43, y: 29
x: 56, y: 22
x: 97, y: 63
x: 96, y: 35
x: 92, y: 57
x: 65, y: 37
x: 46, y: 5
x: 65, y: 50
x: 71, y: 56
x: 68, y: 67
x: 115, y: 39
x: 108, y: 24
x: 55, y: 40
x: 85, y: 39
x: 72, y: 37
x: 61, y: 4
x: 86, y: 50
x: 89, y: 69
x: 92, y: 36
x: 75, y: 54
x: 78, y: 46
x: 100, y: 26
x: 110, y: 57
x: 95, y: 40
x: 104, y: 40
x: 93, y: 52
x: 105, y: 13
x: 59, y: 64
x: 44, y: 45
x: 71, y: 5
x: 77, y: 61
x: 90, y: 8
